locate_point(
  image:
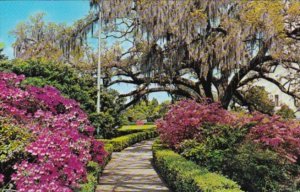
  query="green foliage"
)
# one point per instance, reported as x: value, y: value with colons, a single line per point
x: 184, y: 175
x: 73, y: 84
x: 215, y: 147
x: 258, y: 99
x: 286, y: 112
x: 109, y: 118
x: 109, y: 148
x: 224, y: 149
x: 13, y: 140
x: 120, y: 143
x: 146, y: 110
x: 93, y: 170
x: 262, y: 170
x: 2, y: 56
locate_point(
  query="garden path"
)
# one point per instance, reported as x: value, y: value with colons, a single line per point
x: 131, y: 170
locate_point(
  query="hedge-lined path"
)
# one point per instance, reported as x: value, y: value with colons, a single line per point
x: 131, y: 170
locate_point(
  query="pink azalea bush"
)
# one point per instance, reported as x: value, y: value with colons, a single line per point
x: 185, y: 117
x: 280, y: 135
x: 62, y: 136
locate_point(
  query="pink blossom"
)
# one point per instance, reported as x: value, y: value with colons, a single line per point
x: 62, y: 144
x: 1, y: 179
x: 185, y: 117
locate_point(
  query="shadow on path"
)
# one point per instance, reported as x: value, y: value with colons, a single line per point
x: 131, y: 170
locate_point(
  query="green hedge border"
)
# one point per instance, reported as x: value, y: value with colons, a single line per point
x: 120, y: 143
x: 181, y: 174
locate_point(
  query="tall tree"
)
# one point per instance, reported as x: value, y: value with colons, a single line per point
x: 199, y: 48
x: 36, y: 38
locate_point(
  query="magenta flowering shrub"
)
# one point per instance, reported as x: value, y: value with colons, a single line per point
x: 280, y: 135
x: 62, y: 143
x: 184, y: 119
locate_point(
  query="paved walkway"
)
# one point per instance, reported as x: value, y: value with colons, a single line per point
x: 131, y: 170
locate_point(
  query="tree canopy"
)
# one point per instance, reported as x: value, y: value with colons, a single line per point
x: 199, y: 48
x: 194, y: 48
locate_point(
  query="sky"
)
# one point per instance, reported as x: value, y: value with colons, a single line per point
x: 13, y: 12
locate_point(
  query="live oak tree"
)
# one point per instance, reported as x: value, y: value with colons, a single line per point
x: 200, y: 48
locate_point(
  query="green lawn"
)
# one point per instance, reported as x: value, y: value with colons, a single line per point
x: 137, y: 127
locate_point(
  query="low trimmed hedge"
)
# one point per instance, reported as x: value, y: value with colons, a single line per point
x: 120, y: 143
x: 183, y: 175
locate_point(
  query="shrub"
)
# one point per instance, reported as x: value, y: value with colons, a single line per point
x: 62, y: 142
x: 277, y: 134
x: 183, y: 175
x: 72, y: 84
x: 259, y: 169
x: 226, y: 149
x: 261, y: 152
x: 13, y: 141
x: 120, y: 143
x: 184, y: 118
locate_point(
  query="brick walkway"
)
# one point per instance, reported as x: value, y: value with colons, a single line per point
x: 131, y: 170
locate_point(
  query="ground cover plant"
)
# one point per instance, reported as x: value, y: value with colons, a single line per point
x: 259, y: 151
x: 58, y: 143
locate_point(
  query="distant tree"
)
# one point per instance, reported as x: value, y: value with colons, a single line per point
x: 286, y: 112
x: 2, y: 56
x: 38, y: 39
x: 146, y: 110
x: 258, y: 100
